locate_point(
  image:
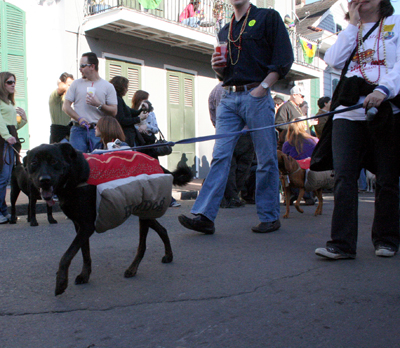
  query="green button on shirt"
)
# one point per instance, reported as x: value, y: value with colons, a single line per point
x: 57, y: 115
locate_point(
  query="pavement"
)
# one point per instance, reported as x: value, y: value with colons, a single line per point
x: 188, y: 192
x: 232, y: 289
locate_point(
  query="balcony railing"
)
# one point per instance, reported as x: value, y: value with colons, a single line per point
x: 210, y: 16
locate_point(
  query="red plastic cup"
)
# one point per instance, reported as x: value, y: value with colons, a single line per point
x: 222, y: 49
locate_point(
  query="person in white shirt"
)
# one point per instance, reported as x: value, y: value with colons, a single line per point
x: 372, y: 76
x: 93, y: 98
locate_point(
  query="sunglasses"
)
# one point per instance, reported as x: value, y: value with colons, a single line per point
x: 10, y: 82
x: 83, y: 65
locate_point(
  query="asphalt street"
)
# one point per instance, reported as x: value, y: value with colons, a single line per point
x: 231, y: 289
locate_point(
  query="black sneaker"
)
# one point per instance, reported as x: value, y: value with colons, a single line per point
x: 199, y: 224
x: 331, y: 253
x: 266, y: 227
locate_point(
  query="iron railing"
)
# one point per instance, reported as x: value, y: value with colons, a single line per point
x: 211, y: 15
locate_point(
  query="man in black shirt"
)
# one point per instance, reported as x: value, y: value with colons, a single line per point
x: 259, y: 53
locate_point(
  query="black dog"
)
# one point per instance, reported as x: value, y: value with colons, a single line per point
x: 20, y: 182
x: 60, y: 169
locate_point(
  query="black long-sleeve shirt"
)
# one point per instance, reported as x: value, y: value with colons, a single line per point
x: 265, y: 44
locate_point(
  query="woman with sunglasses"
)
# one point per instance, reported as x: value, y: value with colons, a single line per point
x: 9, y: 123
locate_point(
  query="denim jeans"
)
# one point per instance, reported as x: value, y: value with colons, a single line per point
x: 235, y: 110
x: 83, y: 140
x: 350, y: 140
x: 5, y: 175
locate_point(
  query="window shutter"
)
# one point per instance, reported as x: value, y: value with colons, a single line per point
x: 188, y: 87
x: 13, y: 56
x: 173, y: 89
x: 134, y: 81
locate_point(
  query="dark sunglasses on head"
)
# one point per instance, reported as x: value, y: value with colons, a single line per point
x: 10, y: 82
x: 83, y: 65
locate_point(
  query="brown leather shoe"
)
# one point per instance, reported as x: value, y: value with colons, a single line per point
x: 197, y: 224
x: 266, y: 227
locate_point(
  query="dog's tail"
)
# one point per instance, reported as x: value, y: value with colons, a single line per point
x: 182, y: 175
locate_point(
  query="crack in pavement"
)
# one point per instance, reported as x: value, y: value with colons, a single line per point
x: 210, y: 298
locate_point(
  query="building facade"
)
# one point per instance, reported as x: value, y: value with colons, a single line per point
x: 41, y: 39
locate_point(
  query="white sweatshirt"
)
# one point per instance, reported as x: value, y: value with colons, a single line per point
x: 389, y: 83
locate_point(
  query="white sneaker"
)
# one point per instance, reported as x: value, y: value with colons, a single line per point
x: 384, y: 251
x: 175, y: 204
x: 332, y: 254
x: 3, y: 219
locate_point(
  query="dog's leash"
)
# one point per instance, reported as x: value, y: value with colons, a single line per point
x: 370, y: 116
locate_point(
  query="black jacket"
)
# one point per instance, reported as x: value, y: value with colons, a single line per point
x: 127, y: 118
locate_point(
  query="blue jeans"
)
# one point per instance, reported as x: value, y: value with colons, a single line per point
x: 235, y: 110
x: 5, y: 176
x: 83, y: 140
x: 191, y: 22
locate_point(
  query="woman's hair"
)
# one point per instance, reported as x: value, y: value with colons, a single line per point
x: 5, y: 96
x: 296, y: 135
x: 138, y: 97
x: 110, y: 129
x: 120, y: 84
x: 386, y: 9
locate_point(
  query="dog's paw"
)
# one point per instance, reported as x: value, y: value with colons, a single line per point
x: 80, y: 279
x: 129, y: 273
x: 61, y: 286
x: 52, y: 221
x: 167, y: 259
x: 34, y: 223
x: 286, y: 216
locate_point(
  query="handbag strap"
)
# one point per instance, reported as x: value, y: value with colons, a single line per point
x: 161, y: 135
x: 348, y: 61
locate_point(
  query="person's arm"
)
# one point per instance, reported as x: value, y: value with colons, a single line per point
x: 67, y: 108
x: 125, y: 115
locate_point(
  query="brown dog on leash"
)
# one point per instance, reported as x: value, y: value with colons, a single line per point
x: 292, y: 175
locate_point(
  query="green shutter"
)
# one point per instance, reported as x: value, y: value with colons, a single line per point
x: 315, y: 95
x: 131, y: 71
x: 13, y: 56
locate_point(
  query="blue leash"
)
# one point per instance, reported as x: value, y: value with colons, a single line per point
x: 370, y: 115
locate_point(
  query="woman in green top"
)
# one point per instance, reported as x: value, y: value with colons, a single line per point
x: 8, y: 135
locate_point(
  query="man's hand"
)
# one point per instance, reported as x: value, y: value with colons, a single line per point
x: 92, y: 100
x: 82, y: 122
x: 217, y: 60
x: 259, y: 92
x: 354, y: 15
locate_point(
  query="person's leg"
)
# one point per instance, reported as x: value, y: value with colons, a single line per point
x: 212, y: 191
x: 385, y: 228
x: 259, y: 113
x: 93, y: 140
x: 78, y: 138
x: 362, y: 181
x: 348, y: 145
x: 245, y: 149
x: 8, y: 155
x: 230, y: 188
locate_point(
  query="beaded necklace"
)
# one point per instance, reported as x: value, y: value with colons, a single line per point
x: 239, y: 38
x: 362, y: 54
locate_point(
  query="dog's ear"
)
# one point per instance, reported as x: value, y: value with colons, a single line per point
x: 68, y: 152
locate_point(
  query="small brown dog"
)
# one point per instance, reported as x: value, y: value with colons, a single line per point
x: 292, y: 175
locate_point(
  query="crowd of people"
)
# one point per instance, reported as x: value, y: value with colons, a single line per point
x: 345, y: 142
